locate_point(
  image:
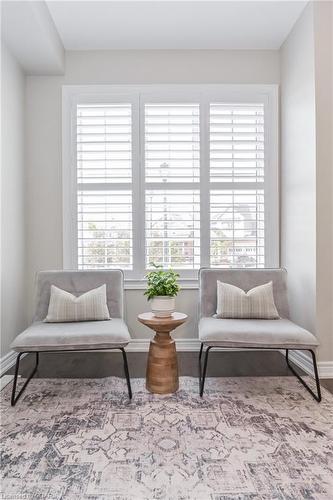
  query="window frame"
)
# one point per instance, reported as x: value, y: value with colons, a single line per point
x: 72, y: 95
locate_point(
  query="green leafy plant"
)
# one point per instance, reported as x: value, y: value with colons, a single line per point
x: 162, y: 282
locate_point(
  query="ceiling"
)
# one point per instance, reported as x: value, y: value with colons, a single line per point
x: 89, y: 25
x: 29, y: 32
x: 38, y: 33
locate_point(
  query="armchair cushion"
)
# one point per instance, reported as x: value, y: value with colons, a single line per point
x: 66, y: 307
x: 77, y: 283
x: 89, y: 335
x: 234, y: 303
x: 246, y: 279
x: 256, y: 333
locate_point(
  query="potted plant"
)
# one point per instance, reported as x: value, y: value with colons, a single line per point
x: 161, y: 290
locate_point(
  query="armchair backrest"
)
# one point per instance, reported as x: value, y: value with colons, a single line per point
x: 245, y: 279
x: 78, y: 282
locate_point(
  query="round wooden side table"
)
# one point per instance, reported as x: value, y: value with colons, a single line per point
x: 162, y: 366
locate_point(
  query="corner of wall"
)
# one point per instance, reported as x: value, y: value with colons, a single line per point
x: 13, y: 192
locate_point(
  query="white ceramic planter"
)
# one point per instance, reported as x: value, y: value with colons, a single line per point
x: 163, y: 306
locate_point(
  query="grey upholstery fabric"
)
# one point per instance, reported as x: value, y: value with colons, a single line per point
x: 268, y: 333
x: 257, y: 303
x: 71, y: 336
x: 42, y: 336
x: 244, y: 279
x: 89, y: 306
x: 272, y: 333
x: 78, y: 282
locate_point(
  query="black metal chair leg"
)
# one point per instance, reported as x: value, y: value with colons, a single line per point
x: 127, y: 373
x: 14, y: 397
x: 199, y: 364
x: 317, y: 396
x: 203, y: 378
x: 200, y: 353
x: 315, y: 368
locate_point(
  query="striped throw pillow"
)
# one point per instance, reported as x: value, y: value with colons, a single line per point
x: 65, y: 307
x: 258, y: 303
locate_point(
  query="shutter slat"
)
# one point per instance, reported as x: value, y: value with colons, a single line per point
x: 237, y: 228
x: 105, y: 236
x: 166, y: 157
x: 234, y: 158
x: 172, y: 228
x: 112, y: 123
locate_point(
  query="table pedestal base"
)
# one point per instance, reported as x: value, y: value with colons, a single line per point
x: 162, y: 367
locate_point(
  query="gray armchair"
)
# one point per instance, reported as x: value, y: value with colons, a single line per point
x: 251, y: 333
x: 76, y: 336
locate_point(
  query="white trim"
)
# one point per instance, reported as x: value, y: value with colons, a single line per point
x: 90, y: 91
x: 325, y: 369
x: 5, y: 380
x: 137, y: 95
x: 182, y: 345
x: 141, y: 284
x: 7, y: 361
x: 272, y: 177
x: 303, y: 361
x: 137, y: 193
x: 68, y: 184
x: 204, y: 184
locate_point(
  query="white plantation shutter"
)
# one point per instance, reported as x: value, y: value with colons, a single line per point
x: 184, y: 178
x: 104, y: 143
x: 105, y: 229
x: 173, y: 228
x: 104, y: 177
x: 172, y: 142
x: 236, y: 142
x: 172, y: 155
x: 237, y: 158
x: 237, y: 228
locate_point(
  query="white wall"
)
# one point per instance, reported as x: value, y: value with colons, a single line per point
x: 43, y: 139
x: 172, y: 66
x: 323, y: 43
x: 307, y: 171
x: 13, y: 235
x: 298, y: 170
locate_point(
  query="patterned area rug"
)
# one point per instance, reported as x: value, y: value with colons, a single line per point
x: 248, y: 438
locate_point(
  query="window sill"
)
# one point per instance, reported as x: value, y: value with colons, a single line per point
x: 185, y: 284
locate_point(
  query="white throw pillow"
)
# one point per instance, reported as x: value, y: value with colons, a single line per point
x: 65, y: 307
x: 258, y: 303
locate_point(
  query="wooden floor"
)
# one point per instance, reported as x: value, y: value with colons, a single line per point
x: 99, y: 364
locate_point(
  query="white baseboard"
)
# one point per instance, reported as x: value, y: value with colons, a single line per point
x: 182, y: 345
x: 5, y: 380
x: 300, y: 358
x: 303, y: 361
x: 7, y: 362
x: 325, y: 369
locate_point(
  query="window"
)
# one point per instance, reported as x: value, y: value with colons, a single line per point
x: 172, y: 157
x: 181, y: 176
x: 236, y: 155
x: 104, y: 186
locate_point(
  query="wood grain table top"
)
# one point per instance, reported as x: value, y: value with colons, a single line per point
x: 149, y: 319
